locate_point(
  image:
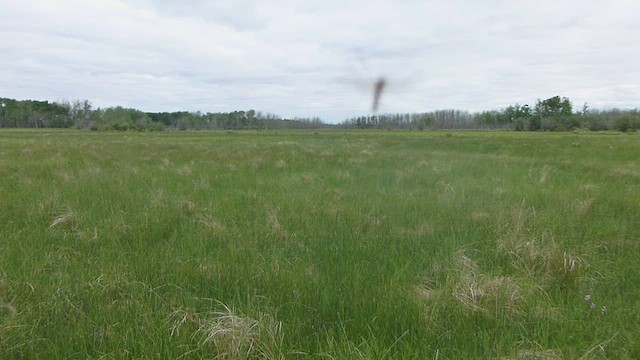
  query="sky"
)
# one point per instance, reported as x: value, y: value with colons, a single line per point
x: 320, y: 58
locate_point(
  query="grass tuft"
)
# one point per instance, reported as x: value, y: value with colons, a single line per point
x: 65, y: 219
x: 226, y: 334
x: 277, y: 230
x: 534, y: 355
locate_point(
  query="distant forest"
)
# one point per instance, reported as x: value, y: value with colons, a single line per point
x: 552, y: 114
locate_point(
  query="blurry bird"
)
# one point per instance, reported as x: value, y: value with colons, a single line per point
x: 378, y: 87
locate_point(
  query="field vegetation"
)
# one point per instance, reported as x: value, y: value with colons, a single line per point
x: 553, y: 114
x: 328, y: 245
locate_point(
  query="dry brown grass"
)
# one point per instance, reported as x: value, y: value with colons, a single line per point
x: 309, y: 178
x: 530, y: 264
x: 185, y: 170
x: 541, y: 257
x: 491, y: 294
x: 277, y: 230
x: 545, y: 174
x: 65, y: 219
x: 226, y: 334
x: 201, y: 216
x: 479, y: 215
x: 6, y: 309
x: 534, y: 253
x: 418, y: 231
x: 210, y: 223
x: 583, y: 206
x: 280, y: 164
x: 534, y: 355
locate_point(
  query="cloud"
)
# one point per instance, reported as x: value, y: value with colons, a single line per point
x: 298, y: 58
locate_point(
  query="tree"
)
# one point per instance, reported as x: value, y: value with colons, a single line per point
x: 585, y: 110
x: 552, y: 114
x: 553, y: 106
x: 515, y: 113
x: 80, y: 114
x: 628, y: 121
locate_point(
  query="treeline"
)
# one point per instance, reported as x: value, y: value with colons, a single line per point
x: 557, y: 114
x: 439, y: 119
x: 236, y: 120
x: 33, y: 114
x: 552, y: 114
x: 81, y: 115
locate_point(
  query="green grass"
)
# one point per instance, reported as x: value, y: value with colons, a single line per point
x: 319, y: 245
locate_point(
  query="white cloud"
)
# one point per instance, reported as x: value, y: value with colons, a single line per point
x: 298, y: 58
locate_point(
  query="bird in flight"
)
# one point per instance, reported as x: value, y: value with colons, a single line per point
x: 378, y: 87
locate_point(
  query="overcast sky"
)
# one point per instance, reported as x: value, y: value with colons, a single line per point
x: 320, y: 58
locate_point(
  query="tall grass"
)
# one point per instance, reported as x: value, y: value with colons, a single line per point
x: 328, y: 245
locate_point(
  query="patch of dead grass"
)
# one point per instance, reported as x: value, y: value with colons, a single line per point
x: 65, y: 219
x: 276, y: 227
x: 227, y: 334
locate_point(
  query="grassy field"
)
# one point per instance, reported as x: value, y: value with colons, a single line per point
x: 326, y: 245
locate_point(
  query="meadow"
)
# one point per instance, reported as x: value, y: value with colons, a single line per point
x: 327, y: 245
